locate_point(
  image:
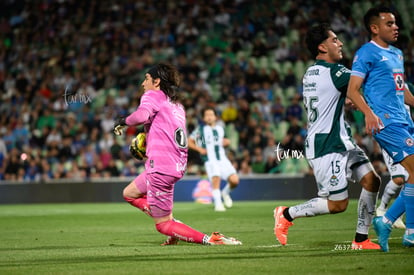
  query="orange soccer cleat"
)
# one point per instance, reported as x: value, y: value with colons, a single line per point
x: 367, y: 244
x: 281, y: 225
x: 219, y: 239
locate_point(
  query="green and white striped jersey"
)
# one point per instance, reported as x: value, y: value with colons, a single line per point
x: 210, y: 138
x: 324, y: 93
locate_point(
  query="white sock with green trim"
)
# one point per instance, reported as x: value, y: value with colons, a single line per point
x: 313, y: 207
x: 366, y: 210
x: 390, y: 191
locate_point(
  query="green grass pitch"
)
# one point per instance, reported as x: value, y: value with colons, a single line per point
x: 115, y: 238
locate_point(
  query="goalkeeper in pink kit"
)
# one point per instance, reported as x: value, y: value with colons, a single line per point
x: 164, y: 122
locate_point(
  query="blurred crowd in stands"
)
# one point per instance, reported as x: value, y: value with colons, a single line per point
x: 68, y: 68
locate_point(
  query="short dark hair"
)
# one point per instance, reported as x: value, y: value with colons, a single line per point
x: 316, y: 35
x: 208, y: 108
x: 373, y: 14
x: 169, y: 79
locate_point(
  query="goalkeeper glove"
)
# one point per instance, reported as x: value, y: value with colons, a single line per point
x: 120, y: 124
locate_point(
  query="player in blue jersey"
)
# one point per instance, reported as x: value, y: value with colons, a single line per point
x: 378, y: 68
x: 398, y: 177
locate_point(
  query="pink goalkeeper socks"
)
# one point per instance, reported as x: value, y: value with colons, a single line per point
x: 181, y: 231
x: 140, y: 203
x: 170, y: 228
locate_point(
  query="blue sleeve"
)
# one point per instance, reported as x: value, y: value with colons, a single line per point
x: 362, y: 63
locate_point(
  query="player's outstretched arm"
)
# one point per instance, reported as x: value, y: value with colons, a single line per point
x: 373, y: 123
x: 139, y: 117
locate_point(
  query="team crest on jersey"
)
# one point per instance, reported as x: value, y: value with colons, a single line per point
x: 399, y: 81
x: 409, y: 142
x: 334, y: 181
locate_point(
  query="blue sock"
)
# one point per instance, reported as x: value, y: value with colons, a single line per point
x: 397, y: 208
x: 409, y: 205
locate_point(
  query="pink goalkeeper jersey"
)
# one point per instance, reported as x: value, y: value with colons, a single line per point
x: 167, y: 147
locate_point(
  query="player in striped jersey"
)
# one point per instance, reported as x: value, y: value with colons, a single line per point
x: 330, y: 149
x: 209, y: 141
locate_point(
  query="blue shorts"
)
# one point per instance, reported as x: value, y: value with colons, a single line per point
x: 398, y: 140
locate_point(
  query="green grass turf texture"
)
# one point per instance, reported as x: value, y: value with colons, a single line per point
x: 115, y: 238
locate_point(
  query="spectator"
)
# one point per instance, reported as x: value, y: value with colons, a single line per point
x: 13, y: 166
x: 245, y: 168
x: 46, y: 119
x: 278, y: 110
x: 294, y: 110
x: 290, y: 79
x: 101, y: 62
x: 258, y: 163
x: 282, y: 52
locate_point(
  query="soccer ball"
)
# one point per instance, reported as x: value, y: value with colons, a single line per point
x: 141, y: 142
x: 138, y: 147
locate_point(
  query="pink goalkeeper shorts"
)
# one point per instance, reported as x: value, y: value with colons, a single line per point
x: 159, y: 189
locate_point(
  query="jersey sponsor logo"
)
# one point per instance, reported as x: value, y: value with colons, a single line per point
x: 312, y: 72
x: 409, y: 141
x: 310, y: 85
x: 399, y: 81
x: 341, y: 71
x: 180, y: 167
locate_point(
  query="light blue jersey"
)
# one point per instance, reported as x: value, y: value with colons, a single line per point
x: 383, y: 72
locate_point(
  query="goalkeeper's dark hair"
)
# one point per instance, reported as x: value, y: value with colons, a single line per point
x: 169, y: 79
x: 316, y: 35
x: 373, y: 14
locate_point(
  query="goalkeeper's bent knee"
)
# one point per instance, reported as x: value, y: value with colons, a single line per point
x: 129, y: 200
